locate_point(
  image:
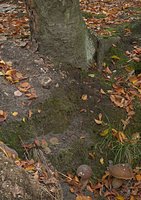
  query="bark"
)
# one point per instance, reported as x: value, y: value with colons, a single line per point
x: 17, y: 184
x: 58, y: 28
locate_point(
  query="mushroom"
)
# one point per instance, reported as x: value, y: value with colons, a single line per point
x: 85, y: 172
x: 117, y: 183
x: 120, y: 172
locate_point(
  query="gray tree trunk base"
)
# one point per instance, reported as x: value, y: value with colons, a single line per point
x: 58, y: 28
x: 17, y: 184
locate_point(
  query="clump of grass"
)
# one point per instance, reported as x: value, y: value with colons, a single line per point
x: 121, y: 152
x: 126, y: 152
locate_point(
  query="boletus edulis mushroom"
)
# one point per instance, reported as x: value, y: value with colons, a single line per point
x: 85, y: 172
x: 120, y: 172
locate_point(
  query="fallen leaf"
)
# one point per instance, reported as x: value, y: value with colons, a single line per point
x: 118, y: 100
x: 105, y: 132
x: 138, y: 177
x: 101, y: 161
x: 24, y: 120
x: 3, y: 116
x: 119, y: 197
x: 107, y: 70
x: 133, y: 79
x: 24, y: 87
x: 82, y: 197
x: 132, y: 197
x: 15, y: 114
x: 115, y: 57
x: 30, y: 113
x: 84, y: 97
x: 98, y: 121
x: 100, y: 116
x: 91, y: 75
x: 92, y: 155
x: 31, y: 95
x: 102, y: 91
x: 136, y: 59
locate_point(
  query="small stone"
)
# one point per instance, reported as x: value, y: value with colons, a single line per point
x: 57, y: 85
x: 45, y: 81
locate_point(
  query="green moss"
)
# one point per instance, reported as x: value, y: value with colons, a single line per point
x: 78, y: 153
x: 56, y: 114
x: 14, y: 133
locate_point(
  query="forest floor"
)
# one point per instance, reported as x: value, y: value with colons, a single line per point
x: 77, y: 112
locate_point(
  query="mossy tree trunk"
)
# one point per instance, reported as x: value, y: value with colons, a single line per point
x: 58, y: 28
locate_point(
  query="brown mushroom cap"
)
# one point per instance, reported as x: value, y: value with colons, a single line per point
x: 121, y: 171
x: 84, y: 171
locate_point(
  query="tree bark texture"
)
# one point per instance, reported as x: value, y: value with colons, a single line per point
x: 58, y: 28
x: 17, y: 184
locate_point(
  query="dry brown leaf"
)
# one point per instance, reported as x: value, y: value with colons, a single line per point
x: 118, y: 100
x: 84, y: 97
x: 31, y: 95
x: 107, y: 70
x: 136, y: 59
x: 98, y: 121
x: 30, y: 113
x: 100, y: 116
x: 3, y: 115
x: 138, y: 177
x: 82, y: 197
x: 133, y: 79
x: 102, y: 91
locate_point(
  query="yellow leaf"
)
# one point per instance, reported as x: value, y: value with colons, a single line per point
x: 1, y: 74
x: 15, y: 114
x: 10, y: 72
x: 24, y: 119
x: 102, y: 161
x: 133, y: 79
x: 2, y: 62
x: 105, y: 132
x: 84, y: 97
x: 119, y: 197
x: 91, y: 75
x: 115, y: 57
x: 82, y: 197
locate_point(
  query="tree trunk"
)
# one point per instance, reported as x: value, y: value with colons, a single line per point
x: 18, y: 184
x: 58, y: 28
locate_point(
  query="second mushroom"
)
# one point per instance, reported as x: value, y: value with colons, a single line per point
x: 120, y: 172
